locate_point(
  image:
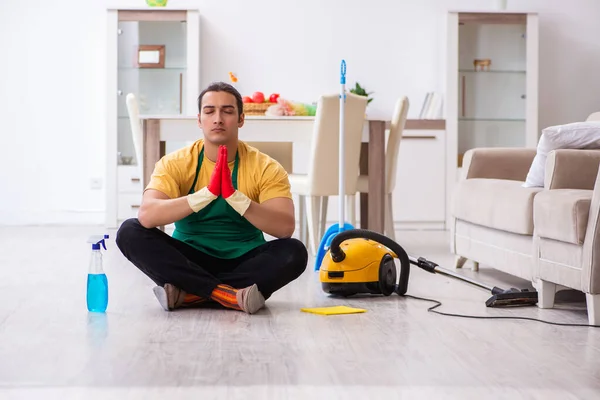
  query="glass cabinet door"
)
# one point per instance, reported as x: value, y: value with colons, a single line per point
x: 492, y: 85
x: 152, y: 66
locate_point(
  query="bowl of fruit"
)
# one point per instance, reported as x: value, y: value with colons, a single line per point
x: 257, y: 104
x: 157, y: 3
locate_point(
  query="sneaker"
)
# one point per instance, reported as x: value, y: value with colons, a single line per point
x: 169, y: 296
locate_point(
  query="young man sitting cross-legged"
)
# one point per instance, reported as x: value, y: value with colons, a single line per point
x: 222, y: 195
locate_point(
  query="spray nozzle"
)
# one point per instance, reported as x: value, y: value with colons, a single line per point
x: 96, y: 240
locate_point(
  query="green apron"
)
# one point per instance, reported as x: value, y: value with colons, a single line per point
x: 218, y: 229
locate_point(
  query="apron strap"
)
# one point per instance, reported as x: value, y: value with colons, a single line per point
x: 234, y: 174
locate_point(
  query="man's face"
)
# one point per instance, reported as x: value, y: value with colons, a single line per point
x: 218, y: 117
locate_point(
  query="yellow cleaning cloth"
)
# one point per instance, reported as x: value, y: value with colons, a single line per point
x: 333, y: 310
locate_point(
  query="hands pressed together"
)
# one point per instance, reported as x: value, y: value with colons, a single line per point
x: 220, y: 185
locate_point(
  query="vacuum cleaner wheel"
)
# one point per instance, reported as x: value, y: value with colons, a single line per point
x: 387, y: 275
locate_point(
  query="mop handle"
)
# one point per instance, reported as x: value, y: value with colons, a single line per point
x: 342, y: 175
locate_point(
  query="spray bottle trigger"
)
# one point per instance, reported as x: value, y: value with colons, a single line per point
x: 98, y: 240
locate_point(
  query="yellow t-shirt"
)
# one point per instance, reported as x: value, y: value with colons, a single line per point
x: 260, y: 177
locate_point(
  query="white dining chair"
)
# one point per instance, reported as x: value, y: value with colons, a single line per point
x: 282, y: 152
x: 391, y: 163
x: 322, y: 178
x: 136, y: 129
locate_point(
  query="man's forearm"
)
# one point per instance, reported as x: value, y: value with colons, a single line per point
x: 157, y: 212
x: 274, y: 222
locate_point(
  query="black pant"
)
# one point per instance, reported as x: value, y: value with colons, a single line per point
x: 167, y: 260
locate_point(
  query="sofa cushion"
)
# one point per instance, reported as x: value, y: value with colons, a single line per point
x: 562, y: 214
x: 496, y: 203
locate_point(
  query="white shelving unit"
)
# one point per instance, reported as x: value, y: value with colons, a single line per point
x: 171, y: 88
x: 497, y: 105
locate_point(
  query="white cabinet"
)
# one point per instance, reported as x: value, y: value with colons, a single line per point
x: 419, y: 197
x: 129, y: 186
x: 492, y: 83
x: 153, y: 53
x: 129, y: 179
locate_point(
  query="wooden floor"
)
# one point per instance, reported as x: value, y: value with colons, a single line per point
x: 51, y: 347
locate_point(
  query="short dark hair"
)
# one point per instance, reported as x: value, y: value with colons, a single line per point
x: 222, y: 87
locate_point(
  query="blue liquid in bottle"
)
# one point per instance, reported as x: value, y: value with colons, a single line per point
x: 97, y: 292
x: 97, y: 284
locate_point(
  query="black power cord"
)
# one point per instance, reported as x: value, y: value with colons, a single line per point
x: 439, y: 304
x: 337, y: 254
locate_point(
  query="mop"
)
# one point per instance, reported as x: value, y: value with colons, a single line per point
x: 342, y: 225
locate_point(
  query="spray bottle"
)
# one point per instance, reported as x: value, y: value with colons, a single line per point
x: 97, y: 284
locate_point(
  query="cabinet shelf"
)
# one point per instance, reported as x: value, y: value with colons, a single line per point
x: 507, y: 71
x: 493, y: 119
x: 181, y: 69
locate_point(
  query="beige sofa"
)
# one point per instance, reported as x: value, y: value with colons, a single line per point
x: 492, y: 214
x: 566, y: 241
x: 549, y: 236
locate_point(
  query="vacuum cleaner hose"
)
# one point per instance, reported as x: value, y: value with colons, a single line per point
x: 338, y: 255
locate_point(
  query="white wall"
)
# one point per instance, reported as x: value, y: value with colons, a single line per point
x: 52, y: 104
x: 52, y: 88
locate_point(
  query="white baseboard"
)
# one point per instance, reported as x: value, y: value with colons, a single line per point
x: 60, y: 217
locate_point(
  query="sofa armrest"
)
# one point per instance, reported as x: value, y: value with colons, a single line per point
x: 571, y: 169
x: 590, y: 270
x: 498, y: 163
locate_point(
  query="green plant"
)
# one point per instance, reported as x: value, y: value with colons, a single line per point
x: 361, y: 91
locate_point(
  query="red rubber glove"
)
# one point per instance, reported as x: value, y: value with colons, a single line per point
x: 215, y: 179
x: 203, y: 197
x: 236, y: 199
x: 226, y: 183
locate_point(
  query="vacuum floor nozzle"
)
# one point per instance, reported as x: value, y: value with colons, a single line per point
x: 501, y: 298
x: 512, y: 298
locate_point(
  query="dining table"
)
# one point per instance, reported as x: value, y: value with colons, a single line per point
x: 157, y: 130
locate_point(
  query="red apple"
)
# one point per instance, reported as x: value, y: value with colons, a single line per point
x: 273, y: 98
x: 258, y: 97
x: 247, y: 99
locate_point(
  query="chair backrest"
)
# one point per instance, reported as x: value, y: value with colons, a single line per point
x: 282, y: 152
x: 323, y: 164
x: 136, y: 128
x: 393, y: 145
x: 594, y: 116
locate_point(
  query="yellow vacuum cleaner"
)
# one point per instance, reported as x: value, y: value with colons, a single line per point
x: 361, y: 261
